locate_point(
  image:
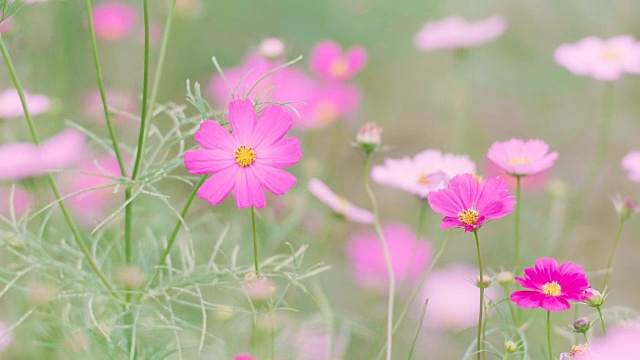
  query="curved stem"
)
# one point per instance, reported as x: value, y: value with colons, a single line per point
x: 479, y: 344
x: 549, y: 335
x: 604, y: 326
x: 612, y: 254
x: 517, y: 234
x: 65, y: 212
x: 385, y: 249
x: 255, y: 240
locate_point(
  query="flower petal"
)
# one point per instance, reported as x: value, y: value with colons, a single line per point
x: 247, y: 190
x: 219, y: 185
x: 200, y: 162
x: 555, y: 303
x: 242, y: 117
x: 275, y: 180
x: 271, y: 126
x: 527, y: 299
x: 213, y: 136
x: 284, y: 153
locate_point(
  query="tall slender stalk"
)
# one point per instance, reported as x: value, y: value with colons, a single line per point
x: 613, y: 253
x: 604, y: 325
x: 418, y: 328
x: 549, y: 335
x: 517, y: 234
x: 385, y: 250
x: 255, y: 240
x: 65, y: 212
x: 479, y: 345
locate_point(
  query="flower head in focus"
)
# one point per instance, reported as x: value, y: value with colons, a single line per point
x: 339, y: 204
x: 457, y: 33
x: 247, y: 161
x: 329, y: 62
x: 601, y: 59
x: 551, y: 286
x: 521, y: 158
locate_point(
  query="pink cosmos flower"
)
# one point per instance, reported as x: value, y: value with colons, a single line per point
x: 426, y: 172
x: 326, y: 104
x: 620, y: 343
x: 457, y: 33
x: 521, y: 158
x: 339, y: 204
x: 330, y: 63
x: 531, y: 182
x: 21, y: 160
x: 92, y: 106
x: 247, y: 161
x: 11, y: 107
x: 244, y: 356
x: 469, y: 204
x: 453, y: 297
x: 408, y: 257
x: 113, y: 20
x: 310, y: 342
x: 552, y: 285
x: 271, y: 48
x: 601, y: 59
x: 631, y: 163
x: 6, y: 337
x: 22, y: 201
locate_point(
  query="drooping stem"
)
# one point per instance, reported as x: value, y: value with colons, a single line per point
x: 612, y: 254
x: 517, y: 234
x: 479, y: 347
x: 255, y: 240
x: 385, y: 250
x: 549, y: 335
x: 604, y: 326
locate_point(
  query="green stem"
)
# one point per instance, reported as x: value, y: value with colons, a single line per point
x: 65, y: 212
x: 612, y: 254
x: 163, y: 52
x: 586, y: 338
x: 255, y: 240
x: 549, y: 335
x: 604, y: 326
x: 517, y: 235
x: 385, y: 249
x: 514, y: 318
x: 418, y: 328
x: 479, y: 347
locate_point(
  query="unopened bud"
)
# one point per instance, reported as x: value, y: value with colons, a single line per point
x: 592, y: 297
x: 581, y: 325
x: 131, y: 276
x: 504, y: 277
x: 484, y: 282
x: 510, y: 347
x: 369, y: 136
x: 271, y: 48
x: 624, y: 207
x: 260, y: 288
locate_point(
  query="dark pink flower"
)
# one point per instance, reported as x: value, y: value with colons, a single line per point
x: 469, y: 204
x: 114, y: 20
x: 247, y: 161
x: 520, y: 158
x: 552, y: 285
x: 330, y: 63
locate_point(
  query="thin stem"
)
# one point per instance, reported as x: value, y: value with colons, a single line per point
x: 103, y: 94
x: 255, y: 240
x: 586, y: 338
x: 517, y: 234
x: 65, y: 212
x: 549, y: 335
x: 604, y: 326
x: 385, y: 249
x: 612, y: 254
x: 511, y: 309
x: 163, y: 52
x: 418, y: 328
x: 479, y: 347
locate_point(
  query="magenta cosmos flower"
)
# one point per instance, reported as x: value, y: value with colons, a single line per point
x: 247, y: 161
x: 601, y: 59
x: 426, y: 172
x: 11, y: 106
x: 456, y: 33
x: 520, y: 158
x: 552, y: 285
x: 631, y: 163
x: 469, y: 204
x: 114, y: 21
x: 339, y: 204
x: 409, y: 258
x: 330, y: 63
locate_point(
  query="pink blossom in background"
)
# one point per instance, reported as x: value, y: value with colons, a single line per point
x: 531, y: 182
x: 329, y: 62
x: 189, y: 8
x: 620, y: 343
x: 408, y: 257
x: 6, y: 337
x: 631, y: 163
x: 551, y: 286
x: 7, y: 25
x: 22, y: 200
x: 453, y: 297
x: 21, y: 160
x: 271, y: 48
x: 469, y: 204
x: 311, y: 342
x: 244, y: 356
x: 11, y: 106
x: 601, y: 59
x: 521, y: 158
x: 92, y: 106
x: 247, y: 161
x: 578, y: 352
x: 114, y: 21
x: 328, y: 104
x: 427, y: 171
x: 457, y: 33
x: 339, y: 204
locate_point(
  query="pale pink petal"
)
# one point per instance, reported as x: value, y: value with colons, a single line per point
x: 19, y: 160
x: 219, y: 185
x: 284, y: 153
x: 62, y: 150
x: 357, y: 59
x: 271, y: 126
x: 323, y: 55
x: 200, y: 162
x: 247, y: 190
x: 275, y: 180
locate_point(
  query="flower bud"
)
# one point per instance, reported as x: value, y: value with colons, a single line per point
x: 486, y: 281
x: 510, y: 346
x: 369, y: 136
x: 581, y: 325
x: 592, y: 297
x: 271, y: 48
x: 504, y: 277
x: 624, y: 207
x: 260, y: 289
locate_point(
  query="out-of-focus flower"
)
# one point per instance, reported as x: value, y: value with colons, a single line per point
x: 11, y: 107
x: 578, y: 352
x: 504, y: 277
x: 271, y: 48
x: 93, y: 109
x: 369, y: 136
x: 530, y: 182
x: 22, y: 160
x: 6, y: 337
x: 521, y: 158
x: 327, y: 103
x: 409, y: 258
x: 624, y: 207
x: 113, y: 20
x: 631, y: 163
x: 339, y: 204
x: 469, y: 204
x: 7, y: 25
x: 457, y: 33
x: 260, y: 288
x: 311, y: 342
x: 551, y: 286
x: 601, y: 59
x: 330, y: 63
x: 426, y: 172
x: 22, y: 201
x: 247, y: 161
x: 244, y: 356
x: 620, y: 343
x: 131, y: 276
x: 188, y: 8
x: 453, y: 297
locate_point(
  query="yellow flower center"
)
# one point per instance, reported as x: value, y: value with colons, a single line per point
x: 552, y: 288
x: 478, y: 178
x: 610, y: 54
x: 245, y: 156
x: 339, y: 68
x: 422, y: 180
x: 519, y: 161
x: 579, y: 350
x: 469, y: 217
